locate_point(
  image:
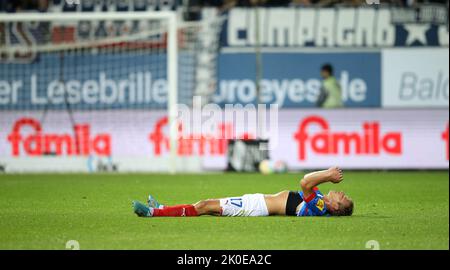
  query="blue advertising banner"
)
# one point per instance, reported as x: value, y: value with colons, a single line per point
x: 292, y: 80
x: 85, y: 81
x: 108, y: 81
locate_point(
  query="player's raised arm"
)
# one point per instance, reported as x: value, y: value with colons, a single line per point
x: 311, y: 180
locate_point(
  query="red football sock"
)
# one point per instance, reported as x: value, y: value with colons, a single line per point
x: 181, y: 210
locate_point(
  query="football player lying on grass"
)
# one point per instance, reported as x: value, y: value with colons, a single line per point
x: 308, y: 202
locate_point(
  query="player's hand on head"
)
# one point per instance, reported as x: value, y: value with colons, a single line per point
x: 336, y: 174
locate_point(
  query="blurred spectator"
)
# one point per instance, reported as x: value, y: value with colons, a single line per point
x: 211, y: 3
x: 330, y: 92
x: 42, y: 5
x: 277, y: 3
x: 25, y: 5
x: 302, y: 3
x: 326, y: 3
x: 352, y: 3
x: 412, y: 3
x: 252, y: 3
x: 330, y: 3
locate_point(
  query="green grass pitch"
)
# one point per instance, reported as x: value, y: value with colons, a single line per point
x: 400, y: 210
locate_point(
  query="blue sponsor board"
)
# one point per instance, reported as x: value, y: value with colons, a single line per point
x: 292, y: 80
x: 136, y: 81
x: 87, y: 81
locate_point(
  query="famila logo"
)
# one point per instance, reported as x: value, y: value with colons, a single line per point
x: 189, y: 144
x: 80, y: 142
x: 368, y: 141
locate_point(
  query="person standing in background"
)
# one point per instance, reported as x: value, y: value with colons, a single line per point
x: 330, y: 92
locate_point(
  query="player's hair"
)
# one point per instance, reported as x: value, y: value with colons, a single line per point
x: 327, y: 67
x: 344, y: 210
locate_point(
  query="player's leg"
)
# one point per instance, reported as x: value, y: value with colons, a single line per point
x: 208, y: 207
x: 181, y: 210
x: 247, y: 205
x: 204, y: 207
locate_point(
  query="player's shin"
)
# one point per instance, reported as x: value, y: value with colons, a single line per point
x: 184, y: 210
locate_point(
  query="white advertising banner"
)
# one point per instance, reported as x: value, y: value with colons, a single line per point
x: 415, y: 78
x: 138, y: 140
x: 364, y: 139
